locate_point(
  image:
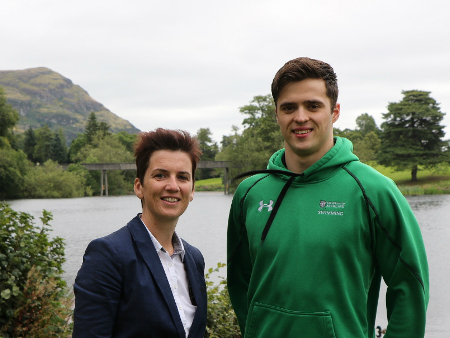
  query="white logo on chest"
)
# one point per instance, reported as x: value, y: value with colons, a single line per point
x: 268, y: 206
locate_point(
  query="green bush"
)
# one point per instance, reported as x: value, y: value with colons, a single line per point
x: 51, y: 181
x: 33, y: 297
x: 13, y: 167
x: 221, y: 320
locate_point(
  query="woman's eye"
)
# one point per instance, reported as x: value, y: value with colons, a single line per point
x: 184, y: 178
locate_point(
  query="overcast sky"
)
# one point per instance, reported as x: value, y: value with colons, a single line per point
x: 191, y: 64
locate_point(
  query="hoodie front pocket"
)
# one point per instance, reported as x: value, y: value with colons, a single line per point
x: 269, y: 321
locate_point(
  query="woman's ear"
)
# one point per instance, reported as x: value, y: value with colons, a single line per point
x: 138, y: 188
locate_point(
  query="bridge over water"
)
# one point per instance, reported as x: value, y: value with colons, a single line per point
x: 104, y: 167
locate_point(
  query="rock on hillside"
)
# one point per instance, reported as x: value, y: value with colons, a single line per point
x: 42, y: 96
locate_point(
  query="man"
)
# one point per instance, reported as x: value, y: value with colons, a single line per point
x: 143, y: 280
x: 310, y: 238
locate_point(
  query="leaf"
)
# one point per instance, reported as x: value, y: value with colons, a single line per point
x: 6, y: 293
x: 15, y: 290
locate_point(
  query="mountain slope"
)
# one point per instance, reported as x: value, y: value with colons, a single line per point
x: 42, y: 96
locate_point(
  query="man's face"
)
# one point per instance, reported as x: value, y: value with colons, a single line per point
x: 306, y: 118
x: 167, y: 188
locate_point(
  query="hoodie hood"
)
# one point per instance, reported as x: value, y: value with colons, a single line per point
x: 338, y: 156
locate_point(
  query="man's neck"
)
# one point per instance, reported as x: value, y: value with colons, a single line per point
x: 300, y: 163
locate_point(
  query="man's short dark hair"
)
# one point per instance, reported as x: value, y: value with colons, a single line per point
x: 164, y: 139
x: 305, y: 68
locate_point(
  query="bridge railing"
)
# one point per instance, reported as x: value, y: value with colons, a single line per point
x: 104, y: 167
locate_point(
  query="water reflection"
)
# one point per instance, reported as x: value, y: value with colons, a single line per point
x: 428, y: 201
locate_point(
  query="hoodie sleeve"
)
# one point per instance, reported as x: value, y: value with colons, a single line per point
x: 402, y: 260
x: 239, y: 262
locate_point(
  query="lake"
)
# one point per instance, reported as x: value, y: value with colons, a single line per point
x: 204, y: 225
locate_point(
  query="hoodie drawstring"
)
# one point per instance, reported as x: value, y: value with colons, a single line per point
x: 280, y: 197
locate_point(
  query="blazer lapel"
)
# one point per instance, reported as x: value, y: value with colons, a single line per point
x: 147, y: 250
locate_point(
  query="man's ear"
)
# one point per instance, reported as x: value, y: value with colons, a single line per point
x: 336, y: 112
x: 138, y: 188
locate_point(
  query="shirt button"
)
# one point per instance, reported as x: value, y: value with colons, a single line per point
x: 170, y: 265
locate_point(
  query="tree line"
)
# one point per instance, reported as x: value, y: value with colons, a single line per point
x: 410, y: 138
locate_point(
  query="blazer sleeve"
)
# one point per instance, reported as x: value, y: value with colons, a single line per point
x: 97, y: 290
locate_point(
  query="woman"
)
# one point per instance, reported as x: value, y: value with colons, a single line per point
x: 143, y: 280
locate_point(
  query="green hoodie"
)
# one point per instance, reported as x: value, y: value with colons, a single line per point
x: 306, y: 252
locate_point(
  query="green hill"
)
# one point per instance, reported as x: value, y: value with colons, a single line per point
x: 42, y: 96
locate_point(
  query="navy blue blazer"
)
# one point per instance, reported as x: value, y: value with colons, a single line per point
x: 122, y: 291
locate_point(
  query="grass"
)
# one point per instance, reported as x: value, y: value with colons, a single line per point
x: 211, y: 184
x: 428, y: 182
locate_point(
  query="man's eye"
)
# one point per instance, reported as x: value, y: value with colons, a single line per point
x: 159, y: 175
x: 183, y: 178
x: 314, y: 106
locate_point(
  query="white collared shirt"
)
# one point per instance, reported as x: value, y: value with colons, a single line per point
x: 177, y: 278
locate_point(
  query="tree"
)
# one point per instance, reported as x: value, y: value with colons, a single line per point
x: 58, y: 148
x: 367, y: 148
x: 411, y: 134
x: 260, y: 138
x: 262, y: 121
x: 76, y: 145
x: 44, y: 137
x: 365, y: 124
x: 13, y: 167
x: 353, y: 135
x: 93, y: 127
x: 209, y: 150
x: 8, y: 116
x: 108, y: 150
x: 29, y: 143
x: 93, y: 131
x: 127, y: 139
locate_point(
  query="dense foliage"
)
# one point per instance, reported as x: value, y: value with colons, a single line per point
x: 33, y: 297
x: 221, y: 319
x: 209, y: 150
x: 260, y: 138
x: 51, y: 181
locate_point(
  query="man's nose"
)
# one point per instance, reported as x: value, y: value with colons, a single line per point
x: 301, y: 115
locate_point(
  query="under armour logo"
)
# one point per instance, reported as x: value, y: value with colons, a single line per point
x: 268, y: 206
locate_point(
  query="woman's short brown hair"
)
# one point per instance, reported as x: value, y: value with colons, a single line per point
x: 305, y: 68
x: 164, y: 139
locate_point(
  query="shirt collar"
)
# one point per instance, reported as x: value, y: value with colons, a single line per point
x: 178, y: 247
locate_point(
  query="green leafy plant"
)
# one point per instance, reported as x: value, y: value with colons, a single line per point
x: 33, y: 297
x: 221, y: 320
